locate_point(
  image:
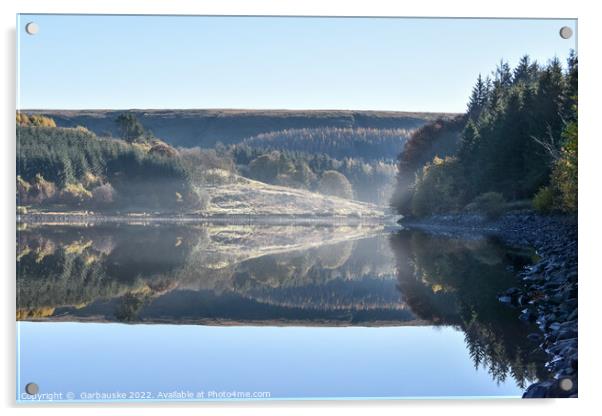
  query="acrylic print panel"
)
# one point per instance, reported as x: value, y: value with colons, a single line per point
x: 267, y: 208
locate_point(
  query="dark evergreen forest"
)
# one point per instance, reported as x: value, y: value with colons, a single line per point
x: 516, y: 144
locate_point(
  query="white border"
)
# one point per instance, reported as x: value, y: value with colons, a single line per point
x: 589, y: 180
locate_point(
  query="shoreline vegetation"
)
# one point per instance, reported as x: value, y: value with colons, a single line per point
x: 516, y: 143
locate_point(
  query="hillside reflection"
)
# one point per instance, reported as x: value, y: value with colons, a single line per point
x: 211, y: 274
x: 215, y: 274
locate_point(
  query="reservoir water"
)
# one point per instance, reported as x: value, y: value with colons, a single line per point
x: 217, y: 311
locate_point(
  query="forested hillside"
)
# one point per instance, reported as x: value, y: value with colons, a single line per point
x: 66, y: 169
x: 338, y: 143
x: 74, y: 167
x: 206, y: 128
x: 516, y: 142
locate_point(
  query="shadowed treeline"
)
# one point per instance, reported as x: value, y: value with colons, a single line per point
x: 206, y: 128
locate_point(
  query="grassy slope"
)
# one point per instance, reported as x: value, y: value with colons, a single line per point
x: 205, y: 128
x: 242, y: 196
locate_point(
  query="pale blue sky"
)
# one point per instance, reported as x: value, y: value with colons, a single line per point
x: 122, y: 62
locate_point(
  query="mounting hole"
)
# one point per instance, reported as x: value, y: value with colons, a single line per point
x: 566, y: 384
x: 32, y: 28
x: 31, y: 388
x: 566, y: 32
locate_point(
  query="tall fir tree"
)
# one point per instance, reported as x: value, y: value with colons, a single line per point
x: 478, y: 98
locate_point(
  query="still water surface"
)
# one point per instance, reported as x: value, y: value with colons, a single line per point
x: 216, y: 311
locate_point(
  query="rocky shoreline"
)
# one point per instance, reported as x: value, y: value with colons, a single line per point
x: 548, y: 293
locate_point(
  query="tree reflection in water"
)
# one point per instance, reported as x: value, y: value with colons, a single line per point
x: 455, y: 282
